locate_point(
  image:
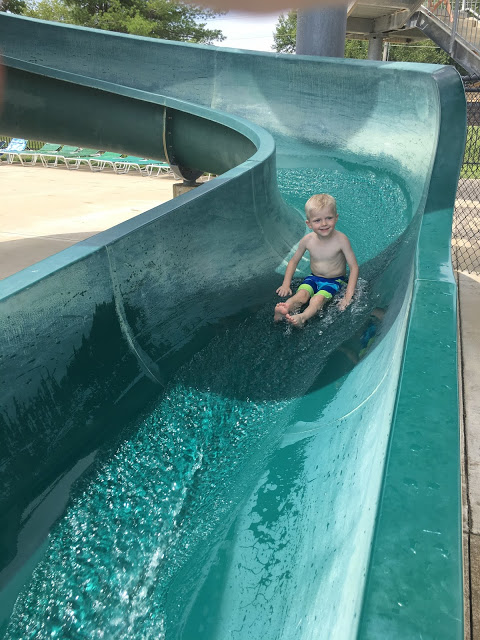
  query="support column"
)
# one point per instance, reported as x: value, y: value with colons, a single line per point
x: 375, y: 48
x: 179, y: 188
x: 321, y: 32
x: 386, y: 51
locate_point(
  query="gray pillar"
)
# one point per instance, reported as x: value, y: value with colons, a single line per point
x: 375, y: 48
x: 321, y: 32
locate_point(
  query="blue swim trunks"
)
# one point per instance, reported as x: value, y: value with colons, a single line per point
x: 367, y: 338
x: 326, y: 287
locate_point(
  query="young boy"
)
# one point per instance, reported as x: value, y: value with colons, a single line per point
x: 330, y: 251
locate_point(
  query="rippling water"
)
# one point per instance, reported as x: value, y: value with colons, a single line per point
x: 167, y: 491
x: 373, y: 208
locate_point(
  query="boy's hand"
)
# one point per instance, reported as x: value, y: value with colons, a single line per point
x: 344, y: 303
x: 284, y: 291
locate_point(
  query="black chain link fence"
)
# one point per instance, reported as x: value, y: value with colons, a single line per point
x: 466, y: 219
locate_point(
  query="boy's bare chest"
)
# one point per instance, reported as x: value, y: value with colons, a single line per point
x: 324, y: 250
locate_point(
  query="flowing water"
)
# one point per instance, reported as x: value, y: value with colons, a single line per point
x: 159, y: 499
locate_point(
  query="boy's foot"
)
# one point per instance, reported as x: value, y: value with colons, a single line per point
x: 297, y: 321
x: 281, y: 311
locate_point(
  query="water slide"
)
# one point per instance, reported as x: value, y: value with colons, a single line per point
x: 175, y: 465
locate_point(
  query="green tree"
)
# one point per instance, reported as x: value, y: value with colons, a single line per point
x: 423, y: 51
x: 285, y: 33
x: 54, y: 10
x: 168, y: 19
x: 13, y: 6
x: 356, y: 49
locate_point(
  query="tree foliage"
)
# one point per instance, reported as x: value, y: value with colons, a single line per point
x: 424, y: 51
x: 12, y: 6
x: 357, y: 49
x: 168, y: 19
x: 54, y: 10
x: 285, y: 35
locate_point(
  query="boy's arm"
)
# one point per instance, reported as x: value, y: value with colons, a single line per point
x: 285, y: 288
x: 353, y: 276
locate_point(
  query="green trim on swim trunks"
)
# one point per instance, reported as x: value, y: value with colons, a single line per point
x: 363, y: 351
x: 306, y: 287
x: 325, y: 294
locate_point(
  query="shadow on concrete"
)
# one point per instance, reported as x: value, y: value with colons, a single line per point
x: 16, y: 255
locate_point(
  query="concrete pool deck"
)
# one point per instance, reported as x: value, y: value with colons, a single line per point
x: 469, y: 387
x: 46, y: 210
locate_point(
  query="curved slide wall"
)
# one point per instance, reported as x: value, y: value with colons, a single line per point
x: 309, y: 533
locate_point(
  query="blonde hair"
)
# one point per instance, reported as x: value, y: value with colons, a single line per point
x: 319, y: 201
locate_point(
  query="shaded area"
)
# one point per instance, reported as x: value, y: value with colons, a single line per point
x: 24, y: 252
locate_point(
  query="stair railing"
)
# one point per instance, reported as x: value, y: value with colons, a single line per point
x: 454, y: 26
x: 460, y: 17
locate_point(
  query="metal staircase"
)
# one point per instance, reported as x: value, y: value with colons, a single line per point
x: 454, y: 25
x: 455, y: 30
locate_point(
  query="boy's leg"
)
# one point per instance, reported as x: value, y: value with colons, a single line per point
x: 292, y: 304
x: 316, y: 303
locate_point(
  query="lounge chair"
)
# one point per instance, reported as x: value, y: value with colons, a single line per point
x: 82, y: 156
x: 107, y: 158
x: 144, y: 166
x: 14, y: 148
x: 159, y: 167
x: 30, y: 157
x: 53, y: 158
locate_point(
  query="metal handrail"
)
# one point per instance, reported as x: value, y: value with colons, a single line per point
x: 454, y: 27
x: 460, y: 17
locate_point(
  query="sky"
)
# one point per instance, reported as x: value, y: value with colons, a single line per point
x: 246, y: 31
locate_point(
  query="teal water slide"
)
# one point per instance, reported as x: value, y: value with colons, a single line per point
x: 174, y: 465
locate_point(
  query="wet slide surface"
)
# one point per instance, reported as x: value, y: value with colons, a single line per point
x: 176, y: 465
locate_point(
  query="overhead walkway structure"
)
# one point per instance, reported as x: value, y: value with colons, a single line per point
x: 453, y: 26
